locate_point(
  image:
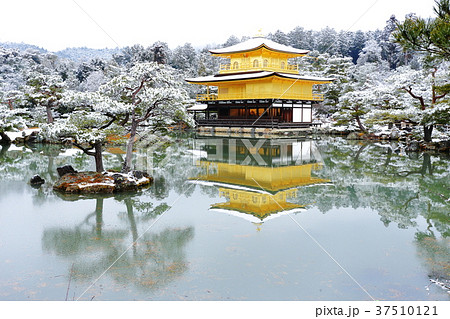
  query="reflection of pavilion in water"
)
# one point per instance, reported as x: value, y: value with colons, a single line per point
x: 258, y: 177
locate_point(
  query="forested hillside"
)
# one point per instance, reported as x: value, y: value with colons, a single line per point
x: 379, y: 80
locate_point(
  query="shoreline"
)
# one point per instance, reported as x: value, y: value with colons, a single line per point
x: 31, y: 136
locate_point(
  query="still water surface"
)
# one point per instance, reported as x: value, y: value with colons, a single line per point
x: 231, y: 219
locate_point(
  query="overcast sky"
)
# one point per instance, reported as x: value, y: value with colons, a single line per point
x: 57, y: 24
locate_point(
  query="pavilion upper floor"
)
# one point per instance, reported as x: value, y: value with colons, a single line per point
x: 258, y: 54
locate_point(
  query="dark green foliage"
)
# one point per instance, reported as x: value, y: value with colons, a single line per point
x: 431, y: 36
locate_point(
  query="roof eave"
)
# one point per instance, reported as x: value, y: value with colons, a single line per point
x: 218, y: 52
x: 223, y: 78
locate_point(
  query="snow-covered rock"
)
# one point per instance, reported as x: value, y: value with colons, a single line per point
x: 104, y: 183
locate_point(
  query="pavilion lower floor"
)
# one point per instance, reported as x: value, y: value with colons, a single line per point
x: 256, y: 113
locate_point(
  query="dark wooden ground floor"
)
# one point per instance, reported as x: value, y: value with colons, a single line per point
x: 256, y: 113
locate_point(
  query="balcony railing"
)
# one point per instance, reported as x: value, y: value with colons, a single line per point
x: 207, y: 97
x: 228, y: 96
x: 233, y: 68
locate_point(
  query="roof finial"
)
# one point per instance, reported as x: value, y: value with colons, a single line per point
x: 259, y: 34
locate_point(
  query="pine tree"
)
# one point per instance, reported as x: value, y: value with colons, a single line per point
x: 431, y: 36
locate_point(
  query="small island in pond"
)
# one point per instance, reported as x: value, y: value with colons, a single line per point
x: 71, y: 181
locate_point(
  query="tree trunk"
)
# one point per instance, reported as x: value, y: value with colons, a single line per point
x: 98, y: 157
x: 132, y: 220
x: 49, y: 114
x: 426, y: 165
x: 356, y: 114
x: 129, y: 156
x: 4, y: 148
x: 360, y: 125
x: 427, y: 132
x: 99, y: 217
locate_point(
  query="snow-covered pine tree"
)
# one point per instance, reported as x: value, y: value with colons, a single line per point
x: 153, y: 95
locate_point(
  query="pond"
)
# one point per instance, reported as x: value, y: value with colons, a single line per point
x: 231, y: 219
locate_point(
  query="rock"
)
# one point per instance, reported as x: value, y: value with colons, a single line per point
x: 66, y: 169
x: 122, y: 183
x: 104, y: 183
x: 32, y: 138
x: 36, y: 181
x: 140, y: 174
x: 85, y: 182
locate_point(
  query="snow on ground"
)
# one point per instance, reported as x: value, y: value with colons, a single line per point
x: 129, y: 176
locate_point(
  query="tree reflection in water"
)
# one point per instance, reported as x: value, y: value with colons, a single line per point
x: 154, y: 259
x: 406, y: 190
x: 402, y: 188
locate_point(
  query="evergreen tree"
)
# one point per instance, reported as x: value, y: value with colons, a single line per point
x: 431, y: 36
x: 327, y: 41
x: 357, y: 44
x: 147, y: 93
x: 232, y: 40
x: 185, y: 58
x: 45, y: 91
x: 94, y: 119
x: 391, y: 51
x: 279, y: 37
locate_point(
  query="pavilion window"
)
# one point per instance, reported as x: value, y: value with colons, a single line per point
x: 235, y: 65
x: 283, y: 65
x: 266, y: 63
x: 255, y: 63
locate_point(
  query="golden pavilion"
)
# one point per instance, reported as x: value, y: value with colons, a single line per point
x: 257, y: 180
x: 258, y: 87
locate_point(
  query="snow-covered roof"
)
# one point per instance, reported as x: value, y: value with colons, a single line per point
x: 198, y: 107
x: 254, y: 219
x: 255, y: 75
x: 257, y: 43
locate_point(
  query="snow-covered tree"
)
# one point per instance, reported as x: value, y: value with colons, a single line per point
x: 357, y: 44
x: 45, y: 91
x: 161, y: 52
x: 357, y: 97
x: 327, y: 41
x: 152, y: 94
x: 301, y: 39
x: 391, y: 51
x: 185, y: 58
x: 94, y: 119
x: 12, y: 98
x: 353, y: 106
x: 134, y: 54
x: 338, y: 68
x: 11, y: 120
x: 279, y: 37
x: 430, y: 89
x: 207, y: 63
x: 371, y: 53
x: 232, y: 40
